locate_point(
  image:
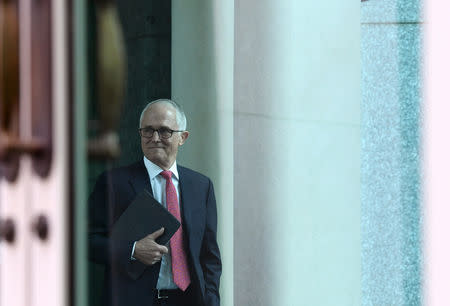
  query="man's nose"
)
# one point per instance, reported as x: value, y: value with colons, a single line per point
x: 155, y: 136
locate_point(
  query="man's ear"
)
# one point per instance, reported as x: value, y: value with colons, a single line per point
x: 184, y: 136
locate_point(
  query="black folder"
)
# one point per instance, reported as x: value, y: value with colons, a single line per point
x: 144, y: 216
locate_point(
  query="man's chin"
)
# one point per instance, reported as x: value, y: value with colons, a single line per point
x: 158, y: 159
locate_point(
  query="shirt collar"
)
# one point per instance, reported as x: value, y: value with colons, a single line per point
x: 153, y: 169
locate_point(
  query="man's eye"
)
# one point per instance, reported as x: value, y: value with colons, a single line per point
x: 149, y: 130
x: 164, y: 131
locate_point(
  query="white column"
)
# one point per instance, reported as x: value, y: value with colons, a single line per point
x: 296, y: 153
x: 49, y: 264
x: 202, y: 81
x: 436, y: 146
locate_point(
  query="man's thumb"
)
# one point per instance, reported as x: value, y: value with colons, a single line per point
x: 157, y: 233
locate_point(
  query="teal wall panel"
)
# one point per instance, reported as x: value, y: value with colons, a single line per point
x: 391, y: 220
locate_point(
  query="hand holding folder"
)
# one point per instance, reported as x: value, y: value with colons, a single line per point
x: 142, y: 217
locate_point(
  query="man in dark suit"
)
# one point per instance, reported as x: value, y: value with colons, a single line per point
x: 187, y: 271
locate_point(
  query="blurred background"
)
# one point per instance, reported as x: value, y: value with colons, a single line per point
x: 321, y: 124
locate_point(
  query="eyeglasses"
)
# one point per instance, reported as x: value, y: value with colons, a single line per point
x: 163, y: 132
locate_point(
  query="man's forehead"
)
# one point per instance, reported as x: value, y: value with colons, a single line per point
x: 156, y: 126
x: 161, y: 105
x: 160, y: 111
x: 159, y: 115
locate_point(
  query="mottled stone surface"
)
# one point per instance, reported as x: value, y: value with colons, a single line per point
x: 391, y: 222
x: 389, y: 11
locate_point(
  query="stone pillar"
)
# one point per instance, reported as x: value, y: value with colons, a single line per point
x: 391, y: 59
x: 296, y: 153
x: 202, y: 81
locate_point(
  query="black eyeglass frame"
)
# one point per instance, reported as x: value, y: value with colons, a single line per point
x: 158, y: 131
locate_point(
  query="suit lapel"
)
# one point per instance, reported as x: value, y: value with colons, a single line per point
x: 140, y: 180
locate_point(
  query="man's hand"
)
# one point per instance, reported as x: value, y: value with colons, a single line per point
x: 148, y: 251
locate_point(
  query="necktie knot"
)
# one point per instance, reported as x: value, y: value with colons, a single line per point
x: 167, y: 174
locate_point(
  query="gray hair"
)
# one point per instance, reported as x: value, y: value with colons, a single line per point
x: 181, y: 117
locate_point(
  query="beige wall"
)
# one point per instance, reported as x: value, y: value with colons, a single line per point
x: 296, y: 153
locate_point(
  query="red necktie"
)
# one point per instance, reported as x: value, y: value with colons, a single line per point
x: 180, y: 269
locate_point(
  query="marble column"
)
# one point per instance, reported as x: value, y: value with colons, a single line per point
x: 297, y: 153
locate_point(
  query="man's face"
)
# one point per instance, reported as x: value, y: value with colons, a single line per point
x: 162, y: 152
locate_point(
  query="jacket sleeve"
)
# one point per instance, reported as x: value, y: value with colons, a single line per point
x: 102, y: 250
x: 210, y: 254
x: 98, y: 222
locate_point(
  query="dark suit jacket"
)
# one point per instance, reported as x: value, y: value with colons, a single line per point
x: 131, y: 282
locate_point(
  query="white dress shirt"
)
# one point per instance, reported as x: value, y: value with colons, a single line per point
x: 158, y: 185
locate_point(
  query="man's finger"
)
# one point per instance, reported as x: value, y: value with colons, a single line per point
x: 163, y: 249
x: 157, y: 233
x: 160, y: 250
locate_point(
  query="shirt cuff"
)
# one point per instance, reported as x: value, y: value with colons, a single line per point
x: 132, y: 251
